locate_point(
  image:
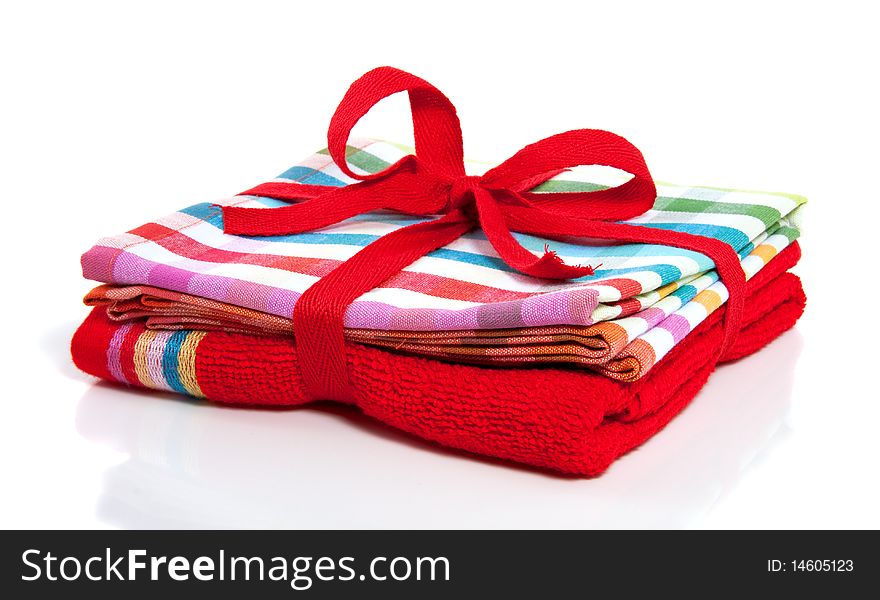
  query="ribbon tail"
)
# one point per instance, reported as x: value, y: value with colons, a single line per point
x: 727, y: 261
x: 547, y: 266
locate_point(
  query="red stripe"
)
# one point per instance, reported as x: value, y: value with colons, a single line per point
x: 628, y: 306
x: 627, y: 287
x: 90, y: 342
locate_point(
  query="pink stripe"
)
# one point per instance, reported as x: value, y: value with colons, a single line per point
x: 97, y: 263
x: 155, y: 352
x: 113, y: 359
x: 445, y: 320
x: 677, y: 325
x: 368, y: 315
x: 652, y: 316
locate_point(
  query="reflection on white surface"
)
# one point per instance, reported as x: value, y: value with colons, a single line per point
x: 193, y: 464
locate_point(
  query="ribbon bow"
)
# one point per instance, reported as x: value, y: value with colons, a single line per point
x: 433, y: 182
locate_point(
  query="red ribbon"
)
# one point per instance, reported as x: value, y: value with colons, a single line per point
x: 433, y: 182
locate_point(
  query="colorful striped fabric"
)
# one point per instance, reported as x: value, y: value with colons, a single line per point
x: 162, y: 360
x: 646, y: 337
x: 464, y: 286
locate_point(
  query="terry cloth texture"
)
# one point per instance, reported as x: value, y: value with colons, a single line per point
x: 565, y: 419
x: 649, y: 296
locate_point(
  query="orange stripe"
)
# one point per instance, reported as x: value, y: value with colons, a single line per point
x: 765, y: 252
x: 709, y: 299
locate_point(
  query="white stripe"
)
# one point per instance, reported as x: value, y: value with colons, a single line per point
x: 750, y: 226
x: 384, y: 151
x: 778, y: 241
x: 605, y: 312
x: 660, y: 340
x: 120, y: 241
x: 751, y: 264
x: 694, y: 313
x: 606, y: 293
x: 668, y: 305
x: 704, y: 281
x: 634, y: 326
x: 720, y: 289
x: 781, y: 203
x: 178, y: 221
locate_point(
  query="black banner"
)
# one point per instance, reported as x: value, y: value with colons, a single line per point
x: 432, y: 564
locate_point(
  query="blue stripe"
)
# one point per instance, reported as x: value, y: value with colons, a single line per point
x: 667, y: 273
x: 685, y: 293
x: 746, y: 250
x: 169, y: 361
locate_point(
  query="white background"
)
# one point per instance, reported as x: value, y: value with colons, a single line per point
x: 114, y: 113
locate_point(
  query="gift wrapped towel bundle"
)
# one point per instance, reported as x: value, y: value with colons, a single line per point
x: 545, y: 316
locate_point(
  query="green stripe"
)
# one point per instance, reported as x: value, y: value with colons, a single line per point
x: 362, y: 159
x: 792, y: 233
x: 798, y: 200
x: 558, y: 185
x: 766, y: 214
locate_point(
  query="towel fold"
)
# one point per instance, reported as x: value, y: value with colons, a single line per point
x: 623, y: 348
x: 566, y: 419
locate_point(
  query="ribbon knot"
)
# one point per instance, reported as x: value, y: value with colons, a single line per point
x: 462, y: 193
x: 433, y: 182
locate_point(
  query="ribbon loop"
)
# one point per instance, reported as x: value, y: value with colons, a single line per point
x: 547, y: 158
x: 434, y: 182
x: 436, y: 127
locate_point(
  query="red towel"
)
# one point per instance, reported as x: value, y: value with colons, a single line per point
x: 567, y: 419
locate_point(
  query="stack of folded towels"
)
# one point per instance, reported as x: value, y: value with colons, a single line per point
x: 457, y: 348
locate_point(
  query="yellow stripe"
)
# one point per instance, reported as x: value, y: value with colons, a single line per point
x: 709, y: 299
x: 141, y: 347
x: 186, y: 363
